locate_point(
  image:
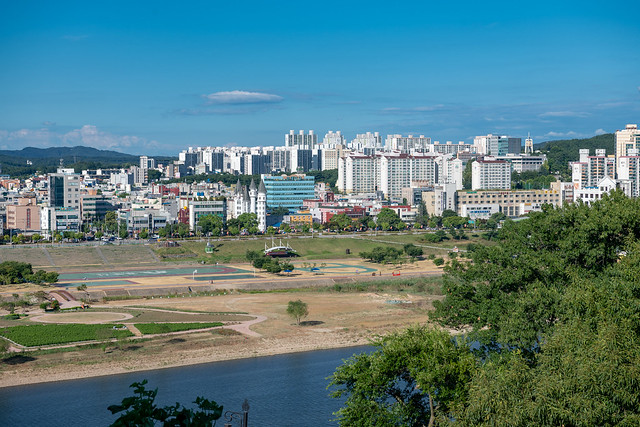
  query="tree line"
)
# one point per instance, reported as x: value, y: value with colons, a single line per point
x: 550, y: 326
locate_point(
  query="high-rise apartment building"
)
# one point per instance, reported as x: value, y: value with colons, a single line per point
x: 629, y: 173
x: 333, y: 140
x: 364, y: 142
x: 490, y: 174
x: 627, y: 139
x: 590, y: 170
x: 407, y: 144
x: 301, y: 140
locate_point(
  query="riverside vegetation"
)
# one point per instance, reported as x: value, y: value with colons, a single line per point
x: 552, y: 322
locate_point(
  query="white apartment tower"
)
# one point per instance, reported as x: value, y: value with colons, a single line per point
x: 357, y: 173
x: 362, y: 141
x: 332, y: 140
x: 629, y: 173
x: 490, y: 174
x: 407, y: 144
x: 301, y: 140
x: 627, y: 139
x: 590, y: 170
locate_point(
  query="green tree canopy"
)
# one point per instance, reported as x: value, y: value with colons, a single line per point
x: 553, y: 312
x: 211, y: 224
x: 297, y: 309
x: 141, y: 410
x: 388, y: 219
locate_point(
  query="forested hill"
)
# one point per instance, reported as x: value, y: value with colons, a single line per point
x: 561, y: 152
x: 29, y: 160
x: 80, y: 153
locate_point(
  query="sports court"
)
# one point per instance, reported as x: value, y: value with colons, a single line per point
x: 142, y: 277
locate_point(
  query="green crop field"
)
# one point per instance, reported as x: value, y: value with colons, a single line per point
x: 163, y: 328
x: 35, y: 335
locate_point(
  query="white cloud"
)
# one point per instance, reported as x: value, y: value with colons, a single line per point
x: 553, y: 134
x: 87, y: 135
x: 600, y: 131
x: 564, y: 114
x: 414, y: 110
x: 241, y: 97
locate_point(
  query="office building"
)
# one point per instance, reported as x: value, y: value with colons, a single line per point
x: 482, y: 204
x: 288, y: 191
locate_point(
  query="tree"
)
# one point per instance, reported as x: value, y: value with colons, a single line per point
x: 122, y: 232
x: 211, y: 224
x: 466, y: 175
x: 412, y: 250
x: 422, y: 216
x: 154, y: 175
x: 382, y: 255
x: 141, y: 410
x: 414, y: 378
x: 388, y: 219
x: 341, y: 222
x: 111, y: 222
x: 297, y: 310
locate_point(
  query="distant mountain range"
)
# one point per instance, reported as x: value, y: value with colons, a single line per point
x: 80, y: 152
x: 29, y: 160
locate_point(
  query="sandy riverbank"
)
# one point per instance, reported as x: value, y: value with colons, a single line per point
x: 253, y: 347
x: 335, y: 320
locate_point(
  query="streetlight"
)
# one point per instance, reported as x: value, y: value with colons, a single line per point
x: 193, y: 276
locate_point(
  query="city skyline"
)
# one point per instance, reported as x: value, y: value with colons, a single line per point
x: 156, y: 78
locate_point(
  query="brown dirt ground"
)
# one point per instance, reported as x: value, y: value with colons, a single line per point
x: 335, y: 320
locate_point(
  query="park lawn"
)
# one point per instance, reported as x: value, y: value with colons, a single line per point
x: 36, y: 335
x: 307, y: 248
x: 163, y: 328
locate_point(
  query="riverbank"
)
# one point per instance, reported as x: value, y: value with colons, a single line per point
x: 251, y: 348
x: 336, y: 320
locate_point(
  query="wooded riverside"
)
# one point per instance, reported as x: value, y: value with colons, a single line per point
x: 552, y: 322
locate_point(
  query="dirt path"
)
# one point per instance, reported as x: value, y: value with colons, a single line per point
x: 135, y: 331
x: 243, y: 327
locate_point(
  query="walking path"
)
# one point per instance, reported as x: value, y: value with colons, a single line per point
x: 48, y: 255
x: 102, y: 257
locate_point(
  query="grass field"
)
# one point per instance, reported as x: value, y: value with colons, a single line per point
x: 36, y: 335
x: 35, y: 256
x: 330, y: 246
x: 127, y: 254
x: 163, y: 328
x: 80, y: 256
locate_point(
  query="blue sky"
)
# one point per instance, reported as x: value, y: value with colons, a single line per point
x: 157, y: 77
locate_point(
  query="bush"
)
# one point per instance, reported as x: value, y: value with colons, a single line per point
x: 438, y: 261
x: 382, y: 255
x: 12, y: 316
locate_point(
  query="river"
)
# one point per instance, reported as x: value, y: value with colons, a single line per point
x: 283, y: 390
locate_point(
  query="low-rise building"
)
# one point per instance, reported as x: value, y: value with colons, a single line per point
x: 512, y: 203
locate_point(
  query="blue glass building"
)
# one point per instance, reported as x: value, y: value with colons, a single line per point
x: 288, y: 191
